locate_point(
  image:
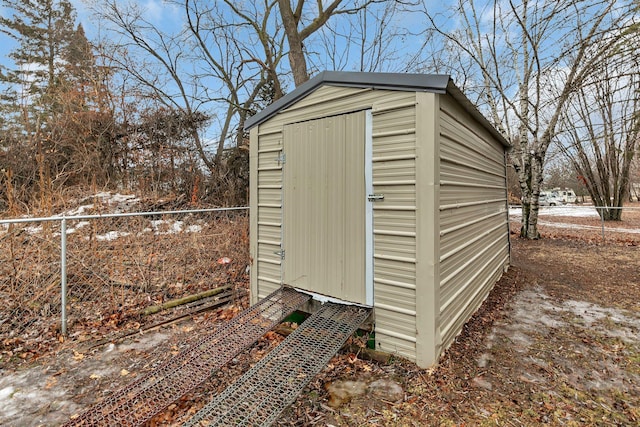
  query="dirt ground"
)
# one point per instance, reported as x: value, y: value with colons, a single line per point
x: 556, y: 343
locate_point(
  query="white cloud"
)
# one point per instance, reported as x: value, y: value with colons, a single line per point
x: 160, y: 12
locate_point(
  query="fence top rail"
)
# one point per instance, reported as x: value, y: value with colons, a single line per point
x: 118, y: 215
x: 581, y: 207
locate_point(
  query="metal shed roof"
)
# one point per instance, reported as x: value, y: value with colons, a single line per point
x: 435, y: 83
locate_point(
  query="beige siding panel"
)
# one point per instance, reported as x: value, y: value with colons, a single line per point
x: 457, y: 125
x: 456, y: 174
x: 396, y: 246
x: 454, y: 316
x: 268, y: 213
x: 394, y: 170
x: 327, y: 95
x: 267, y: 252
x: 466, y: 232
x: 390, y: 145
x: 270, y: 196
x: 394, y: 164
x: 455, y: 219
x: 394, y: 221
x: 265, y: 288
x: 400, y: 323
x: 395, y: 299
x: 253, y: 217
x: 455, y: 196
x: 269, y: 159
x: 269, y: 178
x: 473, y: 217
x: 268, y: 272
x: 397, y: 195
x: 454, y: 265
x: 400, y: 346
x: 394, y: 271
x: 269, y: 232
x: 469, y: 160
x: 270, y: 143
x: 330, y: 101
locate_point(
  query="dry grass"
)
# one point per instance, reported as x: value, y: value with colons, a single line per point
x: 116, y: 267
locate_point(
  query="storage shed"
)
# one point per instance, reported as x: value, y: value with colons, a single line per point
x: 382, y: 189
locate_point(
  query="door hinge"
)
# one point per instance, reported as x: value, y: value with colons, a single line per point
x: 280, y: 253
x: 375, y: 197
x: 281, y: 159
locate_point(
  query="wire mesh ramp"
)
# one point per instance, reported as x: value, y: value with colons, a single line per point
x: 139, y: 401
x: 261, y: 394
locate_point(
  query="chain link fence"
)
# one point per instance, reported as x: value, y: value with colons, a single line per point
x: 584, y: 221
x: 85, y: 277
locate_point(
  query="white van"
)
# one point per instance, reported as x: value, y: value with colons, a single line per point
x: 567, y: 195
x: 549, y: 199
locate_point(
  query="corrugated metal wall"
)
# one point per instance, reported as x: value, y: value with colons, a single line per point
x: 266, y: 212
x: 394, y: 218
x: 443, y: 217
x: 394, y: 223
x: 474, y: 245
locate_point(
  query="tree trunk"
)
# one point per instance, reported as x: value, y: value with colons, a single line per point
x: 297, y: 59
x: 530, y: 175
x: 184, y: 300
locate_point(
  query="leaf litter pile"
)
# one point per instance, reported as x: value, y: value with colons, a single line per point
x: 557, y: 342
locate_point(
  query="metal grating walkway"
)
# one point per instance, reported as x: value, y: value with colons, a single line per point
x: 139, y: 401
x: 260, y: 395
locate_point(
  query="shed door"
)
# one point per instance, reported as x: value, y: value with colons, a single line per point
x: 325, y: 213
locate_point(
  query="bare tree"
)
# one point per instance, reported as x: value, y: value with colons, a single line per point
x: 306, y: 18
x: 368, y: 41
x: 217, y: 64
x: 602, y: 132
x: 513, y: 54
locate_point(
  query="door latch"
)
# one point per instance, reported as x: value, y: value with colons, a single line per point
x: 375, y: 197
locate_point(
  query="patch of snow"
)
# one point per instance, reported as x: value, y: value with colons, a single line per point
x: 534, y: 316
x: 33, y: 230
x: 26, y: 396
x: 589, y: 227
x: 120, y: 202
x: 79, y: 225
x: 6, y: 393
x: 626, y: 326
x: 80, y: 210
x: 574, y: 211
x: 112, y: 235
x: 162, y: 226
x: 41, y: 396
x: 533, y: 307
x: 569, y: 210
x: 144, y: 342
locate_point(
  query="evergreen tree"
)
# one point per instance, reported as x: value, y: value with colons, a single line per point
x: 43, y: 30
x: 55, y: 98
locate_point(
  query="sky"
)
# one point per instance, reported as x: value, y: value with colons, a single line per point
x: 164, y: 15
x: 157, y: 11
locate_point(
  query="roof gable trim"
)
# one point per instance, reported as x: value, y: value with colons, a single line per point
x: 436, y: 83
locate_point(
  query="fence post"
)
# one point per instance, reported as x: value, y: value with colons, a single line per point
x: 63, y: 276
x: 602, y: 222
